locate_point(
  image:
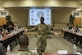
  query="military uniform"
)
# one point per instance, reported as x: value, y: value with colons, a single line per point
x: 42, y: 30
x: 2, y: 50
x: 23, y: 52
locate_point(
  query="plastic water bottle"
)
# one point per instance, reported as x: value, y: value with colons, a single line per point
x: 74, y: 49
x: 35, y: 50
x: 8, y: 49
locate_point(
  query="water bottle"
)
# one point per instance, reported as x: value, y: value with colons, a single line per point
x: 8, y: 48
x: 74, y: 49
x: 35, y: 50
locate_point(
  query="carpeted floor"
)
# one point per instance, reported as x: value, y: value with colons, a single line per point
x: 53, y: 44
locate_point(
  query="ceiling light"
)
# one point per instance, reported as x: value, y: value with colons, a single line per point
x: 81, y: 2
x: 2, y: 9
x: 78, y: 9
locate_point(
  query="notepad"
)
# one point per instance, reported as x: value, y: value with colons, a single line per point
x: 34, y: 51
x: 62, y: 52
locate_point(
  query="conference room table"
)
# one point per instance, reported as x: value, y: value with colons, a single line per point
x: 55, y: 53
x: 9, y: 38
x: 74, y: 37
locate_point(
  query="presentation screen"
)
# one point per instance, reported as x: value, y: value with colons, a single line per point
x: 36, y: 13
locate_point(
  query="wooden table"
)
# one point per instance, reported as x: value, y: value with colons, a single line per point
x: 55, y: 53
x: 74, y: 37
x: 8, y: 39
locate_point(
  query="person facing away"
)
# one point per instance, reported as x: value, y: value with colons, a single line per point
x: 23, y: 43
x: 2, y: 50
x: 42, y: 30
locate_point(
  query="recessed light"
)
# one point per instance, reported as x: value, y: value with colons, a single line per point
x: 81, y: 2
x: 78, y: 9
x: 0, y: 1
x: 2, y: 8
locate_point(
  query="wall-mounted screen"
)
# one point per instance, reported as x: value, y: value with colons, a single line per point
x: 36, y: 13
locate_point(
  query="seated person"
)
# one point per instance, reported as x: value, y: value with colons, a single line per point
x: 5, y: 26
x: 16, y: 26
x: 69, y: 26
x: 10, y: 28
x: 1, y: 29
x: 4, y: 32
x: 2, y: 50
x: 9, y: 25
x: 75, y: 28
x: 23, y: 42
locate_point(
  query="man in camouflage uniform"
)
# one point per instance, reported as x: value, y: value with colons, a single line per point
x: 42, y: 30
x: 23, y: 42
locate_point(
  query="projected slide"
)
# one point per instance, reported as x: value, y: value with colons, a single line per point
x: 35, y: 15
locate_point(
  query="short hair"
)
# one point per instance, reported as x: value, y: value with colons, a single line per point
x: 2, y: 50
x: 42, y: 18
x: 23, y: 39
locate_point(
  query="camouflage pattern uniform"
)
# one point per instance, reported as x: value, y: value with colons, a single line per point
x: 23, y: 52
x: 42, y: 30
x: 2, y: 50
